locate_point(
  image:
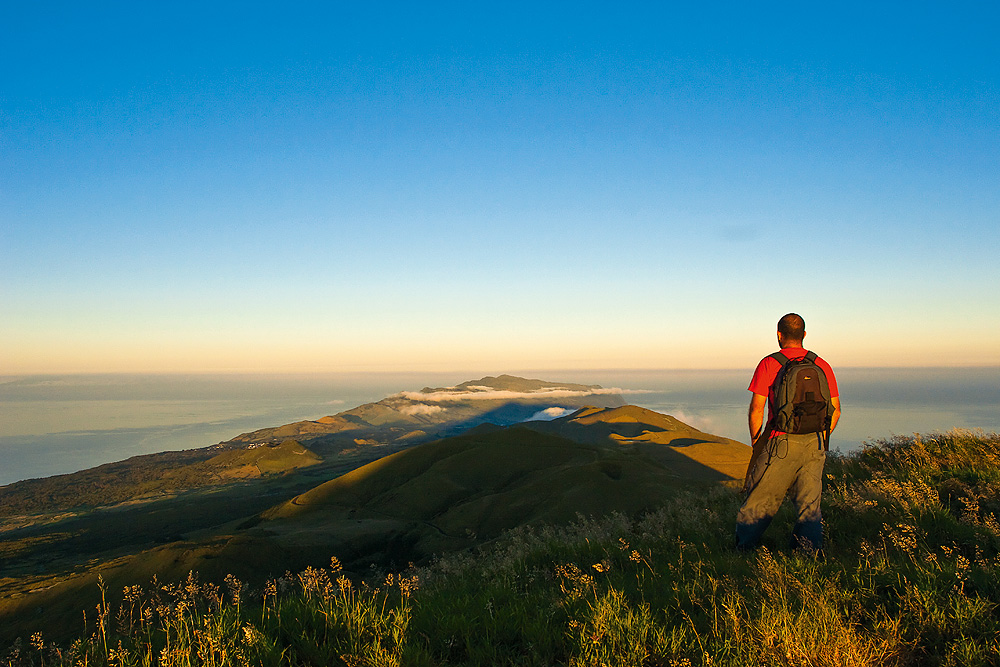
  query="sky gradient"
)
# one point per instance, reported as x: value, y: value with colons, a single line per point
x: 435, y: 186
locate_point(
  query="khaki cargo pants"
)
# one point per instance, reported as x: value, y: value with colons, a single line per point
x: 790, y: 464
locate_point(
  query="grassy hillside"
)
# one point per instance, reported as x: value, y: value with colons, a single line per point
x: 433, y: 498
x: 150, y: 475
x: 686, y: 451
x: 909, y: 577
x: 461, y: 491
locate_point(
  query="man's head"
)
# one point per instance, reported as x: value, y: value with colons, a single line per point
x: 791, y: 330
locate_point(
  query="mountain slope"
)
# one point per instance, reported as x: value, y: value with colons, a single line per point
x: 150, y: 475
x: 353, y: 436
x: 446, y: 494
x: 458, y: 491
x: 433, y: 498
x: 661, y: 437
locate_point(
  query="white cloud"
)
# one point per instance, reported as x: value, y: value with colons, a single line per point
x: 421, y: 409
x: 701, y: 423
x: 548, y: 414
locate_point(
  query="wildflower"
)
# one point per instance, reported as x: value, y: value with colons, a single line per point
x: 970, y: 510
x: 132, y: 593
x: 903, y: 536
x: 270, y: 589
x: 572, y: 581
x: 235, y: 588
x: 603, y: 566
x: 118, y: 655
x: 191, y: 586
x: 314, y: 581
x: 980, y: 559
x: 36, y: 641
x: 251, y: 635
x: 408, y: 586
x: 568, y: 571
x: 335, y: 565
x: 866, y: 551
x: 991, y: 523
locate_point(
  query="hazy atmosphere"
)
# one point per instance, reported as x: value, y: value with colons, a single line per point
x: 438, y: 186
x: 60, y: 424
x: 420, y: 334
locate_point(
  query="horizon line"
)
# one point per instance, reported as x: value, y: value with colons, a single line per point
x: 472, y: 371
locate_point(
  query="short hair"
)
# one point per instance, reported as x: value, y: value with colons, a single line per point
x: 792, y: 327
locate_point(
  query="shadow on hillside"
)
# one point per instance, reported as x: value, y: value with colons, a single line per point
x: 516, y: 412
x: 687, y: 442
x: 454, y: 493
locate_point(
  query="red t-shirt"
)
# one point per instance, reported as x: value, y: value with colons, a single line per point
x: 766, y: 373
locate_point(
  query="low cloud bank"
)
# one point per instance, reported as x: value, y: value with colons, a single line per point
x: 421, y: 409
x: 548, y: 414
x: 701, y: 423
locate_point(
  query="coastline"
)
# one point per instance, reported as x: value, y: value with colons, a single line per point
x: 64, y: 423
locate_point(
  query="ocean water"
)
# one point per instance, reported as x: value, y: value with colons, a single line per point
x: 59, y: 424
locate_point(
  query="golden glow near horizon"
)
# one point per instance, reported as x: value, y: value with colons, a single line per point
x: 452, y: 351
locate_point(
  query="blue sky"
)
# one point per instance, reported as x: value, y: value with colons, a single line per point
x: 332, y: 186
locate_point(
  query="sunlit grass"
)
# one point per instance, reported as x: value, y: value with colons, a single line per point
x: 908, y: 577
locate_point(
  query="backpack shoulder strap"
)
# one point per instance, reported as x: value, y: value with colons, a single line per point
x: 780, y: 358
x: 811, y: 356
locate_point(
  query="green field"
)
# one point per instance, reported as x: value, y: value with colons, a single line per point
x: 908, y: 577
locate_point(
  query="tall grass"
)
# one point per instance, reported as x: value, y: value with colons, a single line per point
x: 908, y: 577
x: 318, y: 617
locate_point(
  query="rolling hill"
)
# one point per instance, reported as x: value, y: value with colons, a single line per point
x: 277, y: 507
x: 460, y: 491
x: 148, y: 477
x: 349, y: 438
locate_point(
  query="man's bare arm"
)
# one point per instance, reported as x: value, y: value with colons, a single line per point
x: 835, y: 417
x: 755, y: 416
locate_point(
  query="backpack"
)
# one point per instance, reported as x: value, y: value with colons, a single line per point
x: 802, y: 397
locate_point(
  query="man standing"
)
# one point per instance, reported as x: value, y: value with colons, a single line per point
x: 782, y: 461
